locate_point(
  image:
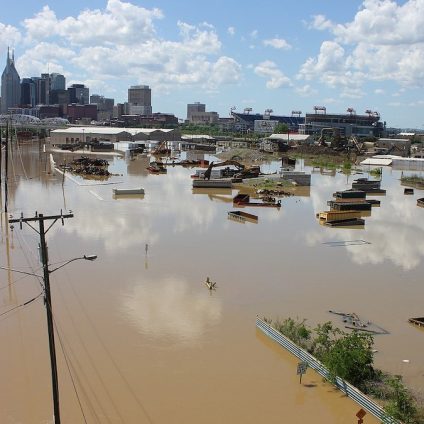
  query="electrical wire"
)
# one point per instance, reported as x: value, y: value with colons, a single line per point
x: 67, y: 365
x: 22, y: 304
x: 14, y: 282
x: 90, y: 359
x: 80, y: 370
x: 20, y: 157
x: 112, y: 360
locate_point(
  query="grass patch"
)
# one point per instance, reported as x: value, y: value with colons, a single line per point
x: 413, y: 181
x: 376, y: 172
x: 269, y: 184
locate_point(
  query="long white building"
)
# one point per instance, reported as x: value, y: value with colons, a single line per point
x: 74, y: 135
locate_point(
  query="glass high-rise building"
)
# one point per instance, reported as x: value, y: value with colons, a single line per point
x: 57, y: 81
x: 28, y: 92
x: 10, y: 85
x: 79, y: 93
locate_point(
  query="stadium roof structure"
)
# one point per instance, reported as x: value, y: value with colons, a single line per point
x: 292, y: 121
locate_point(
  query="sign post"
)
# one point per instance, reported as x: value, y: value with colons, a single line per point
x: 301, y: 369
x: 361, y: 414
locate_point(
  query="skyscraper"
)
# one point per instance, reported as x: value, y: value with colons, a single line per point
x: 140, y: 100
x: 28, y: 92
x: 79, y: 93
x: 10, y: 85
x: 57, y: 81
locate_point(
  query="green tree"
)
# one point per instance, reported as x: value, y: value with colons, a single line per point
x: 401, y: 405
x: 324, y: 339
x: 350, y: 357
x: 281, y: 128
x: 296, y: 331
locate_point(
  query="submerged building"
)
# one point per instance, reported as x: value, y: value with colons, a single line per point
x: 10, y: 85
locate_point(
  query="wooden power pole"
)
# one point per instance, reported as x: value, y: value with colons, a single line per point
x: 40, y: 219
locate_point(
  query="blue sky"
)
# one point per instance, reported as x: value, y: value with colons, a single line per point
x: 274, y: 55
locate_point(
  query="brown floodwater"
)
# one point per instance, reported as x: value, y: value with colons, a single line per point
x: 147, y: 342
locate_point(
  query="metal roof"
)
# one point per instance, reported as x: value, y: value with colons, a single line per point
x: 289, y: 137
x: 110, y: 130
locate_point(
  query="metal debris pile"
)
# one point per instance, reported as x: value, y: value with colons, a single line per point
x: 353, y: 322
x: 273, y: 192
x: 88, y: 166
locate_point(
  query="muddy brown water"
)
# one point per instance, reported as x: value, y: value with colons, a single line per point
x: 147, y: 342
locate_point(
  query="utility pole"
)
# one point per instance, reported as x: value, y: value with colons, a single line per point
x: 6, y: 168
x: 40, y: 218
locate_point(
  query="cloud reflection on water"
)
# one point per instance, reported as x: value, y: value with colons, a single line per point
x: 395, y: 230
x: 169, y: 308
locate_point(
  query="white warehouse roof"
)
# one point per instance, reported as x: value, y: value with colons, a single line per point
x: 109, y: 130
x: 289, y: 137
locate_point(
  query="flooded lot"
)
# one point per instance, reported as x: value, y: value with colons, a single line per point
x: 147, y: 342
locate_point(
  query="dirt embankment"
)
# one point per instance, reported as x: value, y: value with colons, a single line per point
x: 248, y: 156
x: 251, y: 156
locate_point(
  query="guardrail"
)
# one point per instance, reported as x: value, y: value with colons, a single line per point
x: 345, y: 387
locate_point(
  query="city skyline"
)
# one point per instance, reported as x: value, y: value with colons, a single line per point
x: 364, y: 54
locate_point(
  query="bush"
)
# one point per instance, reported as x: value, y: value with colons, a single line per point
x: 294, y: 330
x: 401, y: 404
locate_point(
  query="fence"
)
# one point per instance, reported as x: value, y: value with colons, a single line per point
x: 342, y: 385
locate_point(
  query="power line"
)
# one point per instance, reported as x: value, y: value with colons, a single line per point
x: 40, y: 219
x: 112, y: 360
x: 22, y: 304
x: 69, y: 371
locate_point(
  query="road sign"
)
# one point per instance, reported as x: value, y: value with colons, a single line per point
x: 301, y: 369
x: 361, y: 414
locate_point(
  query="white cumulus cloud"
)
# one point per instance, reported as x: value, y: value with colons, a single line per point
x: 120, y: 42
x: 278, y: 43
x: 383, y: 42
x: 275, y: 76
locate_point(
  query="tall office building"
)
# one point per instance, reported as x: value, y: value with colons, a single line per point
x: 140, y: 100
x: 10, y: 85
x: 57, y: 81
x: 28, y: 92
x: 195, y: 108
x: 79, y: 93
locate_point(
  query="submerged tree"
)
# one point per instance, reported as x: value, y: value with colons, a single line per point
x: 350, y: 357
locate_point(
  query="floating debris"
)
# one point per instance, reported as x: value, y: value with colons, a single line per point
x: 87, y: 166
x: 417, y: 321
x: 209, y: 284
x: 242, y: 217
x: 244, y: 200
x: 273, y: 192
x: 353, y: 322
x: 346, y: 243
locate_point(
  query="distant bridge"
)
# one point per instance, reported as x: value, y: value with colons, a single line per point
x: 32, y: 122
